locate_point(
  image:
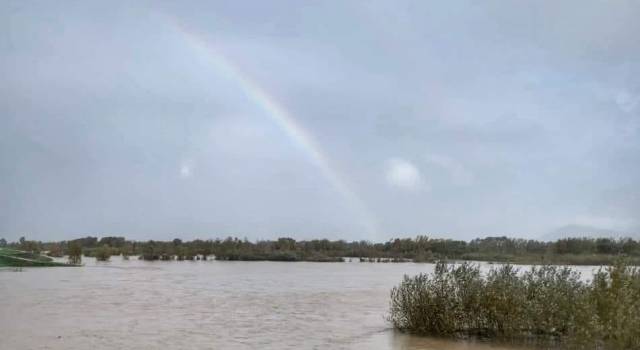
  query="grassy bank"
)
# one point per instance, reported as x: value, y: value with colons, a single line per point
x: 546, y: 304
x: 17, y: 258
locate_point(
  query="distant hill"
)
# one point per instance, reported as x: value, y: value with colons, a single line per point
x: 569, y: 231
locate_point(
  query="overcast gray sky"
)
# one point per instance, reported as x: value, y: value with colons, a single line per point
x: 337, y: 119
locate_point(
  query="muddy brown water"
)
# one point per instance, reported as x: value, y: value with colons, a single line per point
x: 209, y: 305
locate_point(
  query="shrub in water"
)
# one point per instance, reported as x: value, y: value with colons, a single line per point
x: 544, y: 304
x: 103, y: 253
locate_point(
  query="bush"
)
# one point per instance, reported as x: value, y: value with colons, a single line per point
x: 102, y: 253
x: 544, y: 304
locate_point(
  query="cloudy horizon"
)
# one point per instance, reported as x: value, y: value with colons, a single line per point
x: 343, y: 120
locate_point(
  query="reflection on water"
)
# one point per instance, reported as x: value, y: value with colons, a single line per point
x: 207, y: 305
x: 407, y: 342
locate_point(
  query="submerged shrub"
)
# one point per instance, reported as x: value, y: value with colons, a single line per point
x: 615, y: 306
x: 549, y: 299
x: 442, y: 303
x: 102, y: 253
x: 75, y: 253
x: 544, y: 304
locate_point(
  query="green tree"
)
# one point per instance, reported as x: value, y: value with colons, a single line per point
x: 126, y: 250
x: 631, y: 247
x: 103, y: 253
x: 74, y: 251
x: 149, y: 251
x: 3, y: 242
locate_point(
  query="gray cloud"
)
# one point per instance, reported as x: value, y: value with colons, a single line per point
x: 519, y: 118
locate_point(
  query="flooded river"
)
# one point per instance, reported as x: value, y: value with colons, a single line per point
x: 207, y: 305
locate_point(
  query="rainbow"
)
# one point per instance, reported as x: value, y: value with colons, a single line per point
x: 279, y: 115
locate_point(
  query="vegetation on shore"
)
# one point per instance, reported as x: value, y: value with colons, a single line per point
x: 18, y: 258
x: 546, y: 304
x: 572, y: 251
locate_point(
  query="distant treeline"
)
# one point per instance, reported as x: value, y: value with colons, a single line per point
x: 420, y: 249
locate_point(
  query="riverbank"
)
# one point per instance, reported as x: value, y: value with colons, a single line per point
x: 18, y: 258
